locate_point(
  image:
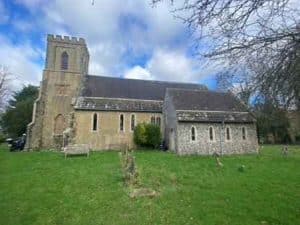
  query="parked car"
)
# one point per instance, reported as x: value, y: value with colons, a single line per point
x: 163, y: 146
x: 17, y: 144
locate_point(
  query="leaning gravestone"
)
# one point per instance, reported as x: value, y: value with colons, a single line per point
x: 284, y: 150
x: 218, y: 161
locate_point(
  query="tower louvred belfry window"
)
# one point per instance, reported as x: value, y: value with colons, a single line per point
x: 64, y: 61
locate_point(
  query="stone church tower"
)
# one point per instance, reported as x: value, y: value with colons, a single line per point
x: 66, y: 66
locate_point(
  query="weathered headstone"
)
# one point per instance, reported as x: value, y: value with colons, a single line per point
x: 285, y: 150
x: 218, y: 161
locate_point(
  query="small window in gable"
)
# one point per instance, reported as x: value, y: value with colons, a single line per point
x: 228, y: 135
x: 158, y: 121
x: 121, y: 122
x: 95, y: 122
x: 193, y: 134
x: 244, y: 133
x: 211, y: 134
x: 132, y: 124
x: 64, y: 61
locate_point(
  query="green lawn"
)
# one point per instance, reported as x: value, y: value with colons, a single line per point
x: 44, y: 188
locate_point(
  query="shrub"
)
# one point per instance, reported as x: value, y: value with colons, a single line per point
x: 153, y: 135
x: 147, y: 135
x: 139, y: 135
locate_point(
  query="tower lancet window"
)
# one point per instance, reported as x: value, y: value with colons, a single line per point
x: 64, y: 61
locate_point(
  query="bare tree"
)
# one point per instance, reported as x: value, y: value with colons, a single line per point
x: 262, y: 35
x: 241, y: 85
x: 5, y: 86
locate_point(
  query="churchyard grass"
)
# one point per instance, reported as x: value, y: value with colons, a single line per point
x: 44, y: 188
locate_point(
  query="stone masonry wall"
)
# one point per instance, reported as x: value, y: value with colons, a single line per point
x: 108, y: 135
x: 34, y: 129
x: 204, y: 146
x: 170, y: 121
x: 59, y: 88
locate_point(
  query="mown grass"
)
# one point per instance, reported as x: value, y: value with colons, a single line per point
x: 44, y: 188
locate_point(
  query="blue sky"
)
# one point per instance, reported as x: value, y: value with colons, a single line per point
x: 125, y: 38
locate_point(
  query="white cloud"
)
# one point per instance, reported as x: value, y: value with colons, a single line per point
x: 172, y: 66
x: 102, y: 25
x: 137, y: 72
x: 21, y: 62
x: 115, y: 32
x: 105, y: 58
x: 169, y: 65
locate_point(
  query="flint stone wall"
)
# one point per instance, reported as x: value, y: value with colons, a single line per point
x: 204, y: 146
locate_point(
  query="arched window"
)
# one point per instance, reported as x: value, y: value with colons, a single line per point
x: 59, y: 124
x: 64, y: 61
x: 152, y: 119
x: 228, y: 135
x: 193, y: 134
x: 158, y: 121
x: 121, y: 122
x: 132, y: 122
x: 244, y: 133
x: 95, y: 122
x: 211, y: 133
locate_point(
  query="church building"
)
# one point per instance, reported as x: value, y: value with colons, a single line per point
x: 78, y: 108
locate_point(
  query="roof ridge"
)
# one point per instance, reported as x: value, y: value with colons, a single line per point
x: 129, y: 99
x: 153, y: 81
x: 197, y: 90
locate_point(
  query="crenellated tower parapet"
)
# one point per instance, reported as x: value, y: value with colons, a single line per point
x: 66, y: 39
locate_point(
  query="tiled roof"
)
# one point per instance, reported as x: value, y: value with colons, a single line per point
x: 204, y: 100
x: 111, y: 87
x: 109, y: 104
x: 208, y: 106
x: 200, y: 116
